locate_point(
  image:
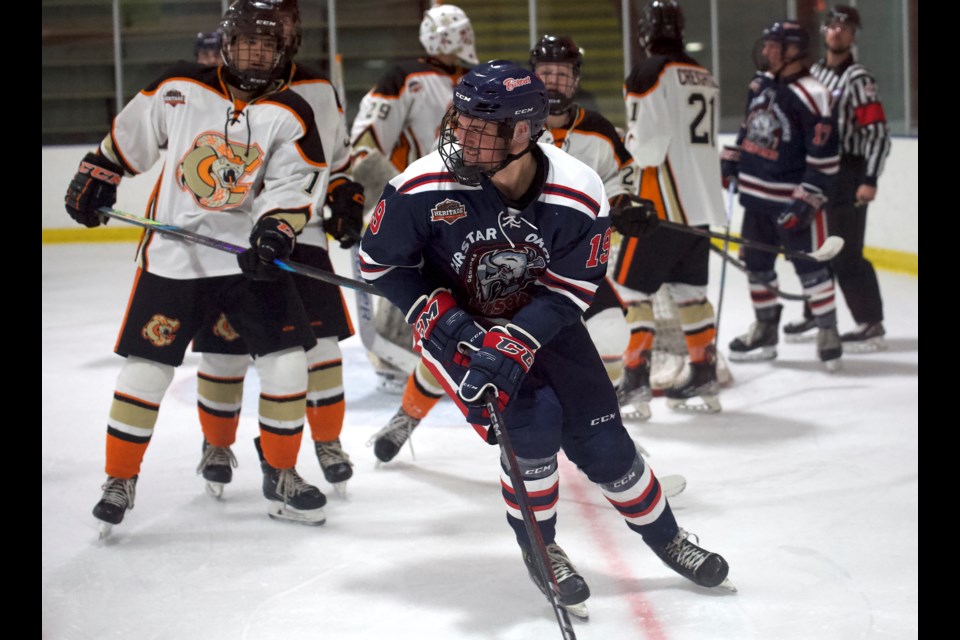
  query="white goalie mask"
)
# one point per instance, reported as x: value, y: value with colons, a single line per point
x: 446, y: 29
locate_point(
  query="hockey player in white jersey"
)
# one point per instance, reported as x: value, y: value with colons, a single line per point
x: 672, y: 107
x: 397, y: 122
x: 224, y: 360
x: 244, y: 161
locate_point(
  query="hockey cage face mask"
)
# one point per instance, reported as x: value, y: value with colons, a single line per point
x: 471, y: 147
x: 561, y: 80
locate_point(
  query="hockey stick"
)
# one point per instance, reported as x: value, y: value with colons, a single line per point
x: 174, y: 231
x: 828, y: 250
x: 539, y: 548
x: 731, y: 189
x: 769, y: 287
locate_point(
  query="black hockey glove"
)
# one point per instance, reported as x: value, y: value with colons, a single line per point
x: 446, y: 331
x: 94, y: 186
x: 345, y: 199
x: 500, y: 365
x: 729, y: 166
x: 632, y: 216
x: 799, y: 214
x: 272, y: 238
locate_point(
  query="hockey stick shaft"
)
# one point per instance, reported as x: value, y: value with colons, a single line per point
x: 727, y: 258
x: 538, y: 547
x: 827, y: 251
x: 196, y: 238
x: 723, y: 268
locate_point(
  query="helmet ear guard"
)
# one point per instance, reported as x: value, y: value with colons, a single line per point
x: 446, y: 30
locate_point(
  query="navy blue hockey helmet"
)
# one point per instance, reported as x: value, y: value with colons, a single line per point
x: 499, y: 92
x: 660, y: 22
x: 206, y: 41
x: 252, y: 18
x: 788, y: 32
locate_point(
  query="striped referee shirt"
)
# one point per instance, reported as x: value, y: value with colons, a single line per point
x: 863, y: 125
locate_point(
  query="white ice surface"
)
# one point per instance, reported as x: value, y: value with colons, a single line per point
x: 807, y: 483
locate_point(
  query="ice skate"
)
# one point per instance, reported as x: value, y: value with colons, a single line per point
x: 829, y: 348
x: 289, y: 497
x: 759, y: 342
x: 216, y: 466
x: 694, y: 563
x: 118, y: 497
x: 866, y: 338
x: 388, y: 441
x: 699, y: 379
x: 336, y: 465
x: 635, y: 394
x: 573, y: 588
x: 799, y: 330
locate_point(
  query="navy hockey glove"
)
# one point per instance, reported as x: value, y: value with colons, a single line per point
x: 345, y: 199
x: 729, y: 166
x: 94, y: 186
x: 272, y: 238
x: 801, y: 211
x: 446, y: 331
x: 632, y: 216
x: 501, y: 366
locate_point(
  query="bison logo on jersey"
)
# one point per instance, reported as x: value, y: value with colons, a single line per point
x: 502, y: 275
x: 448, y: 211
x: 766, y: 126
x: 218, y: 172
x: 224, y: 330
x: 160, y: 331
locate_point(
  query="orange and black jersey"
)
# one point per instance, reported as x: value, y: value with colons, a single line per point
x: 228, y: 163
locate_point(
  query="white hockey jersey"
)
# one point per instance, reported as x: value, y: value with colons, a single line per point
x: 228, y: 164
x: 673, y: 115
x: 400, y: 117
x: 593, y: 140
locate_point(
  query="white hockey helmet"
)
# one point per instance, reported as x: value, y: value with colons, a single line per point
x: 446, y: 29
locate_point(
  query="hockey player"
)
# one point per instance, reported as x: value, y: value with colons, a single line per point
x: 785, y: 159
x: 397, y: 122
x: 672, y: 118
x: 494, y: 246
x: 244, y: 162
x: 865, y: 143
x: 206, y: 48
x: 592, y: 139
x: 224, y: 361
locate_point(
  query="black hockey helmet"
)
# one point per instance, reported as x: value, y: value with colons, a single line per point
x: 661, y: 21
x: 559, y: 49
x: 252, y: 18
x: 843, y: 14
x: 784, y: 32
x: 500, y: 92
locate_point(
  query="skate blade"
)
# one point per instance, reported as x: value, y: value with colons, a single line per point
x: 105, y: 529
x: 757, y: 355
x: 215, y: 490
x: 578, y: 611
x: 279, y: 511
x: 636, y: 412
x: 726, y: 585
x: 833, y: 366
x: 800, y: 338
x: 865, y: 346
x: 672, y: 485
x: 709, y: 404
x: 340, y: 488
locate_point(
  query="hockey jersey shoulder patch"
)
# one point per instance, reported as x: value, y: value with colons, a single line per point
x: 449, y: 211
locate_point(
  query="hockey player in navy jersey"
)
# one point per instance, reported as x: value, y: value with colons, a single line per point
x: 785, y: 158
x: 493, y: 246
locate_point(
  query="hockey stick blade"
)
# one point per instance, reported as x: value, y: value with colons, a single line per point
x: 828, y: 250
x: 740, y: 266
x: 538, y: 547
x: 174, y: 231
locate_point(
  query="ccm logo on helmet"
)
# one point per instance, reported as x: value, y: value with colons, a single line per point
x: 513, y: 83
x: 460, y: 96
x: 520, y: 112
